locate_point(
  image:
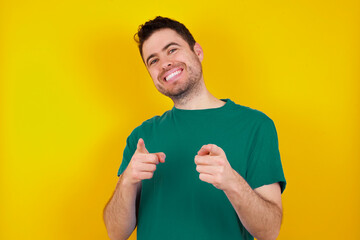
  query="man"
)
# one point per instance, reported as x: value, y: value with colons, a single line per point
x: 207, y: 168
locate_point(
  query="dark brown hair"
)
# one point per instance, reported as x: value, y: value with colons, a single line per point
x: 147, y: 29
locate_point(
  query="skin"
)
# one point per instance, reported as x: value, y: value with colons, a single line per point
x: 259, y: 210
x: 189, y: 86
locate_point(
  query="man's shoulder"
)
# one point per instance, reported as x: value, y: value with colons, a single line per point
x: 250, y: 113
x: 157, y: 119
x: 153, y: 121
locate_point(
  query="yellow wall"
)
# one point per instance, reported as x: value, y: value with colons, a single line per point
x: 73, y: 87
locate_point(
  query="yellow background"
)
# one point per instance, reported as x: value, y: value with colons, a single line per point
x: 73, y: 87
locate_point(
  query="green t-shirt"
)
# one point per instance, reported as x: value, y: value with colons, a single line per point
x: 175, y: 203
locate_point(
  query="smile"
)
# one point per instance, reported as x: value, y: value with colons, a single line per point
x: 172, y: 75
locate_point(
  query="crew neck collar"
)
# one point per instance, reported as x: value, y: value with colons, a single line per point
x: 227, y: 101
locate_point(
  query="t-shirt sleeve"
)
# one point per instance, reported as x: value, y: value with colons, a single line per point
x: 264, y: 166
x: 130, y: 148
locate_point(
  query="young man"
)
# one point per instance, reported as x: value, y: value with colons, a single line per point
x: 207, y: 168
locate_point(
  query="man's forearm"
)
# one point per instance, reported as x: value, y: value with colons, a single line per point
x: 120, y: 211
x: 259, y: 216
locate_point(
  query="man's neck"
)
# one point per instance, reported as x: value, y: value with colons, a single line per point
x: 201, y: 100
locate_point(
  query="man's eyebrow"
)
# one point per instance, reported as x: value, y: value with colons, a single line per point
x: 170, y: 44
x: 164, y: 48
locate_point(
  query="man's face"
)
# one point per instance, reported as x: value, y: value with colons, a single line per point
x: 173, y: 66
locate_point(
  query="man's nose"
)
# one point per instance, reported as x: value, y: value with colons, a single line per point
x: 166, y: 63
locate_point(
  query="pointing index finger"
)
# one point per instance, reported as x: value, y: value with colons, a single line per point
x: 210, y: 149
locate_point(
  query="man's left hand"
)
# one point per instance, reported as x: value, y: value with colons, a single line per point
x: 214, y: 168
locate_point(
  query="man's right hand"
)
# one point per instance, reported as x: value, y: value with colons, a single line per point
x: 142, y: 164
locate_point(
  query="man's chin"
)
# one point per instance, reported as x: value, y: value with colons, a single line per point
x: 178, y: 92
x: 175, y: 94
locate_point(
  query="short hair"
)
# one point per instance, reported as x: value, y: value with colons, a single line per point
x: 151, y: 26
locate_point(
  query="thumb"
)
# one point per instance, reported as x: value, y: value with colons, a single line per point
x: 140, y: 148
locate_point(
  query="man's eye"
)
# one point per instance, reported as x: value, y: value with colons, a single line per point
x: 172, y: 50
x: 153, y: 61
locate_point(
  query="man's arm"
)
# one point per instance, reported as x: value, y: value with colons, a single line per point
x: 259, y: 210
x: 120, y: 211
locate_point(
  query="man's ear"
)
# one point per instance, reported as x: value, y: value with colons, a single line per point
x: 199, y: 51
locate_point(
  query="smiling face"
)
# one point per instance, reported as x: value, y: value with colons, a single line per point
x: 175, y: 69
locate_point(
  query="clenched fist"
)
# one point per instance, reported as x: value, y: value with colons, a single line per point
x: 214, y: 168
x: 142, y: 164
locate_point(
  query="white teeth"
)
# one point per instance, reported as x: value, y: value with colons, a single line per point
x: 172, y: 75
